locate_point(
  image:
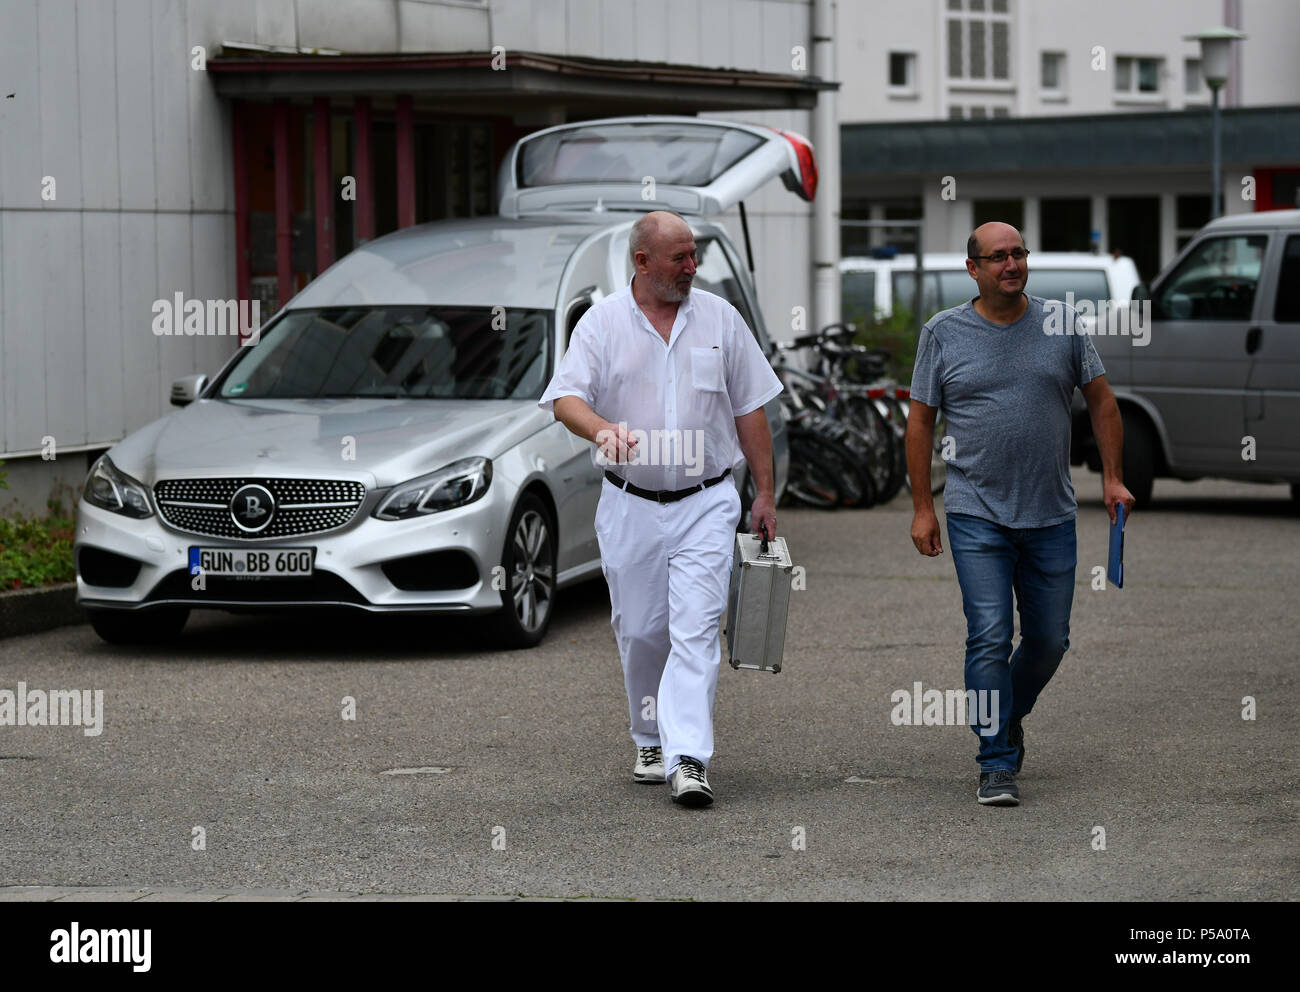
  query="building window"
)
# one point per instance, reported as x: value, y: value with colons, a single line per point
x: 954, y: 113
x: 1135, y: 76
x: 902, y: 73
x: 1065, y: 222
x: 1193, y: 81
x: 979, y: 40
x: 1191, y: 213
x: 1007, y: 211
x: 1001, y: 112
x: 1052, y: 76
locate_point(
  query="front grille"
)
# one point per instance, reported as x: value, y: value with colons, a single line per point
x: 303, y: 506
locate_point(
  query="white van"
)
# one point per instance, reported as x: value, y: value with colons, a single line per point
x: 874, y: 287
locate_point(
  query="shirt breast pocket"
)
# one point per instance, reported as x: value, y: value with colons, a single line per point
x: 706, y: 370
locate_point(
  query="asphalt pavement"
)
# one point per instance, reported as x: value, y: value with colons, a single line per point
x: 473, y: 772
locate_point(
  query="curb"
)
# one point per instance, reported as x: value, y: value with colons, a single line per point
x: 30, y: 611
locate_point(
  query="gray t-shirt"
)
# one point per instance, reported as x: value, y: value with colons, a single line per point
x: 1005, y: 392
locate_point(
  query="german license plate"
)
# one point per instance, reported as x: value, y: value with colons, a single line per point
x: 255, y: 563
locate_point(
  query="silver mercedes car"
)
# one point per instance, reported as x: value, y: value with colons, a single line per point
x: 380, y: 447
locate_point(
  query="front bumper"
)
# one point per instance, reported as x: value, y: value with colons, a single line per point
x: 348, y: 570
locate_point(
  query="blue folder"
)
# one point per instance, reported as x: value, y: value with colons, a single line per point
x: 1115, y: 566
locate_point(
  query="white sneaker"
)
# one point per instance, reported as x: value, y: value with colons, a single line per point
x: 690, y: 786
x: 649, y: 765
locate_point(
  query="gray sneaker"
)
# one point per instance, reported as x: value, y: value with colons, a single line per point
x: 649, y: 765
x: 998, y: 789
x: 690, y: 786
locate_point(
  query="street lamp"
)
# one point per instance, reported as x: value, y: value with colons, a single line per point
x: 1214, y: 67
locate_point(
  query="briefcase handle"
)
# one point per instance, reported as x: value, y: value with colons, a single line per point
x: 762, y: 548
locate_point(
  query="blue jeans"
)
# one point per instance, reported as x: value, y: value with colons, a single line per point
x: 1037, y: 564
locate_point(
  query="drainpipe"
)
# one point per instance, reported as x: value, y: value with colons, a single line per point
x: 826, y: 141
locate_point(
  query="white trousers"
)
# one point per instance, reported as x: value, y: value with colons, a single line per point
x: 668, y: 566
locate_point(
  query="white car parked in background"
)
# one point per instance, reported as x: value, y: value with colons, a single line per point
x: 877, y: 286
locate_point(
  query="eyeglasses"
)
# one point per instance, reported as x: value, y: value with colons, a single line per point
x: 998, y: 257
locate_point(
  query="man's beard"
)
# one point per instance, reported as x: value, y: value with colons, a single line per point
x: 669, y: 292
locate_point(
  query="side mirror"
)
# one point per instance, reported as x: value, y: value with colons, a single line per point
x: 187, y: 389
x: 1141, y: 292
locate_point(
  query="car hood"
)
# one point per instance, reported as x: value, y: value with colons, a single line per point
x: 389, y: 441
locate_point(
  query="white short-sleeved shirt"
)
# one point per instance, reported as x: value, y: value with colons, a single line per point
x: 684, y: 396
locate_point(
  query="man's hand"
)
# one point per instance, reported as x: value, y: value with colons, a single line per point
x: 763, y: 512
x: 1114, y: 493
x: 616, y: 444
x: 1108, y: 429
x: 925, y: 532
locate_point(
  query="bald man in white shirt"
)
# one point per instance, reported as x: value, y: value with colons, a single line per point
x: 669, y: 384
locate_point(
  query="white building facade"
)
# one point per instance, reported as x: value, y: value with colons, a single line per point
x: 1113, y: 71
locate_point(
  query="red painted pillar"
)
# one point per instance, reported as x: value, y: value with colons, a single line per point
x: 323, y: 172
x: 243, y: 257
x: 405, y: 163
x: 365, y: 204
x: 283, y: 204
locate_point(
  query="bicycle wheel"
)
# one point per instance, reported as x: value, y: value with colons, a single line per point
x: 856, y: 486
x: 863, y: 416
x: 894, y: 414
x: 812, y: 479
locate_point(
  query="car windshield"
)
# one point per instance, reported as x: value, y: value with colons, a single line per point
x: 397, y: 352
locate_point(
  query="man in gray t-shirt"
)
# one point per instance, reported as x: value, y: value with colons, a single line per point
x: 1003, y: 368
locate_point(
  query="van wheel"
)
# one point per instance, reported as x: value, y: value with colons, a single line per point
x: 139, y: 626
x: 1139, y: 459
x: 529, y: 563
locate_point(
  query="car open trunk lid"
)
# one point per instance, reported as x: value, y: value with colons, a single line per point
x: 686, y: 164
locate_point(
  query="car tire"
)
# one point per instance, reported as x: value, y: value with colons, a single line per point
x: 1139, y: 459
x: 155, y: 626
x: 528, y: 560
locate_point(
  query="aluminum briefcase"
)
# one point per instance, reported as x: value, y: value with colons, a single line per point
x: 757, y: 603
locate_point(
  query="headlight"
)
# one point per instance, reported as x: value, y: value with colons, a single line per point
x: 453, y: 485
x: 112, y: 489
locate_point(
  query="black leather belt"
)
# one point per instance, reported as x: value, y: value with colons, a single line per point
x: 663, y: 495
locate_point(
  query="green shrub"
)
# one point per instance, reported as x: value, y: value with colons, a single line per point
x: 37, y: 551
x: 896, y: 332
